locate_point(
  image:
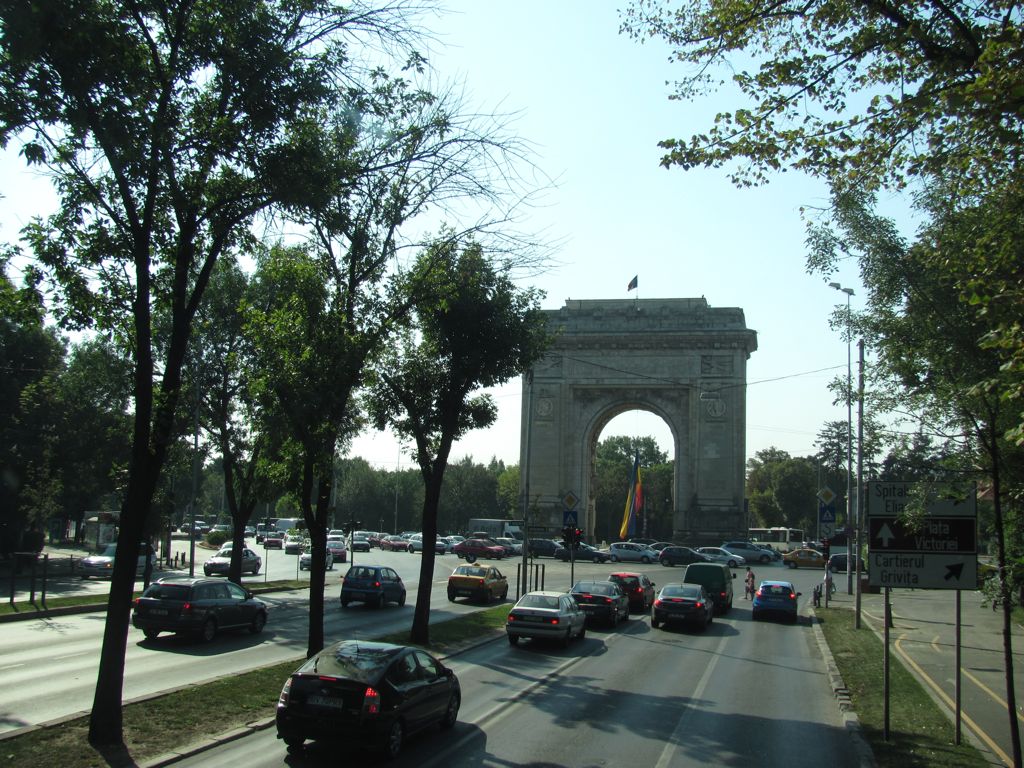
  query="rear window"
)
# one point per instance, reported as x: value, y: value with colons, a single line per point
x: 680, y: 590
x: 361, y: 573
x: 538, y: 601
x: 627, y: 582
x: 469, y: 570
x: 776, y: 590
x: 352, y: 659
x: 168, y: 591
x: 595, y: 587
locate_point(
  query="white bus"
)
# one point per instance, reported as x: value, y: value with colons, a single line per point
x: 778, y: 537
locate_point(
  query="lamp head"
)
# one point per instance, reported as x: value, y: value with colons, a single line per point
x: 837, y: 286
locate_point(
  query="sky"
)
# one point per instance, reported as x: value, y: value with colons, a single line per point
x: 593, y: 104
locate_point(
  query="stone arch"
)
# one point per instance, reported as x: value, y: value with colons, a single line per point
x: 678, y: 358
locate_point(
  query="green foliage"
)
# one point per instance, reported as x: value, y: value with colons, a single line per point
x: 782, y: 490
x: 216, y: 538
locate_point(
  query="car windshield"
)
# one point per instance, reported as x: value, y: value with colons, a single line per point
x: 109, y: 551
x: 469, y: 570
x: 538, y: 601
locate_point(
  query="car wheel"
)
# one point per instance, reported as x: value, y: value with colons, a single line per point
x: 451, y: 596
x: 765, y: 559
x: 393, y: 743
x: 259, y: 621
x: 645, y: 560
x: 401, y: 600
x: 470, y: 558
x: 755, y: 615
x: 209, y: 630
x: 583, y: 632
x: 568, y: 638
x: 256, y: 571
x: 379, y: 602
x: 665, y: 563
x: 791, y: 564
x: 654, y: 623
x: 294, y: 744
x: 451, y: 714
x: 614, y: 558
x: 151, y: 634
x: 732, y: 563
x: 344, y: 603
x: 504, y: 593
x: 513, y: 639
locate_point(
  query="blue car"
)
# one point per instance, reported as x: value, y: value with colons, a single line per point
x: 776, y: 597
x: 373, y: 585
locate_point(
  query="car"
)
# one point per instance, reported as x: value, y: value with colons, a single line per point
x: 249, y: 532
x: 220, y: 563
x: 775, y: 597
x: 804, y: 558
x: 719, y: 555
x: 482, y: 583
x: 644, y: 542
x: 101, y: 565
x: 306, y: 560
x: 376, y: 537
x: 638, y: 588
x: 772, y: 551
x: 542, y: 547
x: 221, y: 528
x: 582, y: 552
x: 716, y: 578
x: 677, y: 555
x: 374, y: 585
x: 416, y: 540
x: 273, y: 539
x: 416, y: 544
x: 364, y: 693
x: 454, y: 539
x: 336, y: 547
x: 293, y: 544
x: 837, y: 564
x: 261, y: 532
x: 336, y: 532
x: 359, y: 544
x: 658, y: 546
x: 601, y: 600
x: 394, y: 544
x: 197, y: 606
x: 749, y: 551
x: 546, y: 615
x: 512, y: 546
x: 631, y: 552
x: 684, y: 604
x: 473, y: 549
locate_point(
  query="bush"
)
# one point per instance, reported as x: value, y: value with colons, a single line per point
x: 216, y: 538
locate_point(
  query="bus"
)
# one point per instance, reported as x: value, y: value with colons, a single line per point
x: 778, y: 537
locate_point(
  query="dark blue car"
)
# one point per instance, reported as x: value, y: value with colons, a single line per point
x: 373, y: 585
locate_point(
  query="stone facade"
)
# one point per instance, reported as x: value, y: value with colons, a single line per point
x: 678, y: 358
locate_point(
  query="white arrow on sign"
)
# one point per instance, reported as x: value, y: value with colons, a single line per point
x: 885, y: 534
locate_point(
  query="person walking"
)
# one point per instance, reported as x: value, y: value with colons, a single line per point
x: 749, y: 585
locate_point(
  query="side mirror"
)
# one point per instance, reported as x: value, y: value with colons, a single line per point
x: 799, y: 593
x: 248, y: 594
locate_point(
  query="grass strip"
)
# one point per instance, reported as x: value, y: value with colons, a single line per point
x: 921, y: 734
x: 156, y: 726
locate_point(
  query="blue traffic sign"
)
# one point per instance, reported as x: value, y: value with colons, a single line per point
x: 569, y: 517
x: 826, y: 512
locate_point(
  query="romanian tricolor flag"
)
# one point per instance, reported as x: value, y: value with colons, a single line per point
x: 634, y: 502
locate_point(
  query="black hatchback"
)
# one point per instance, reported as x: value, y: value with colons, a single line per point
x: 201, y: 607
x: 675, y: 555
x: 362, y: 693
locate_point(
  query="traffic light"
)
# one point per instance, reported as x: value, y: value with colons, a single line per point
x: 567, y: 535
x: 351, y: 525
x: 577, y: 536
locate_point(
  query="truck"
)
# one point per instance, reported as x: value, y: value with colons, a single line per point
x: 495, y: 528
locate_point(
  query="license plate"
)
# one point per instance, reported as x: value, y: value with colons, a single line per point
x: 158, y: 611
x: 325, y: 701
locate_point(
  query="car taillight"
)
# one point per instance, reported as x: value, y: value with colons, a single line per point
x: 607, y: 601
x: 553, y: 621
x: 657, y: 603
x: 699, y: 604
x: 792, y: 596
x: 371, y: 702
x: 135, y: 602
x: 186, y: 608
x: 376, y: 584
x: 760, y: 593
x: 638, y: 589
x: 282, y: 700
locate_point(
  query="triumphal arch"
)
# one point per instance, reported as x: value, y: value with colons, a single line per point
x: 680, y: 359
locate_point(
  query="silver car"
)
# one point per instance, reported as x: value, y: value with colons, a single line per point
x: 553, y: 615
x: 719, y: 555
x: 102, y: 565
x: 630, y: 552
x: 306, y: 561
x: 220, y: 563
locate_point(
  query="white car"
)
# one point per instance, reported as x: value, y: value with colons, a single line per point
x: 293, y: 545
x: 512, y: 546
x: 102, y: 565
x: 719, y: 555
x: 306, y: 561
x: 630, y: 552
x: 220, y: 563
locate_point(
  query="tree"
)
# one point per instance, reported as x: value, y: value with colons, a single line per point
x: 875, y: 91
x: 474, y: 329
x: 930, y: 362
x: 167, y: 127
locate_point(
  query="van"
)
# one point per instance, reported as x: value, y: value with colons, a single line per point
x: 716, y: 578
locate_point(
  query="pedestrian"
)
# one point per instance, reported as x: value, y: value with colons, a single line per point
x: 749, y: 585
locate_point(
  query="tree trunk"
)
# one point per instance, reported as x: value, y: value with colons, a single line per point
x: 420, y: 632
x: 316, y: 523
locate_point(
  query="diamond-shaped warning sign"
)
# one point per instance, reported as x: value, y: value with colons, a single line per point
x: 827, y: 495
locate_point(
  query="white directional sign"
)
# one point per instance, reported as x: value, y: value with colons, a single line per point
x: 938, y: 553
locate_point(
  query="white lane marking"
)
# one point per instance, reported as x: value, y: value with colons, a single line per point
x: 677, y: 734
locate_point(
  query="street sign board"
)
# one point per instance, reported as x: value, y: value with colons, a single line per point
x: 940, y: 552
x: 569, y: 517
x: 826, y: 495
x: 827, y: 512
x: 828, y: 530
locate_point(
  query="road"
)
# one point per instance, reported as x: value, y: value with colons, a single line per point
x: 741, y: 693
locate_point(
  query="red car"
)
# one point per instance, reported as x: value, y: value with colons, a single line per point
x: 473, y: 549
x: 394, y: 544
x: 273, y: 540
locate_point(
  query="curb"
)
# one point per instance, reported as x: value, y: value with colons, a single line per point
x: 861, y: 748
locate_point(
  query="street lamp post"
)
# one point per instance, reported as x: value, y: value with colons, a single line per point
x: 849, y: 437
